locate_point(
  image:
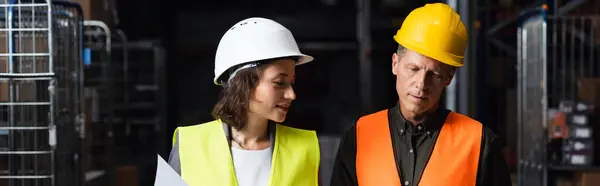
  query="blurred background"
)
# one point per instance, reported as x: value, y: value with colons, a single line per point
x: 92, y: 90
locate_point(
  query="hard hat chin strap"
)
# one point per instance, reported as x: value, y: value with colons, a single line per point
x: 249, y: 65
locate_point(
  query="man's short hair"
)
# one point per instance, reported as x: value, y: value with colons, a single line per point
x: 401, y: 50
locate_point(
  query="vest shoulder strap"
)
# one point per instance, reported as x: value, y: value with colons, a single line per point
x: 375, y: 162
x: 466, y: 122
x: 191, y: 127
x: 296, y: 157
x: 200, y: 146
x: 455, y: 157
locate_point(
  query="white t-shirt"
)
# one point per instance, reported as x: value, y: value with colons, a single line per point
x: 252, y: 167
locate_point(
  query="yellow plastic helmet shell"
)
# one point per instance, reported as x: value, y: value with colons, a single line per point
x: 436, y: 31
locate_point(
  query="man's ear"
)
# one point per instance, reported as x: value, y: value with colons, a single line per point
x: 450, y: 77
x: 395, y: 60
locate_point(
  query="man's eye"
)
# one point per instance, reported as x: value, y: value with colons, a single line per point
x: 278, y: 83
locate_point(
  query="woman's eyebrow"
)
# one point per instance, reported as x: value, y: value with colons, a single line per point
x: 281, y: 74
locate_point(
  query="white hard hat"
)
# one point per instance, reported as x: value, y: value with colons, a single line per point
x: 255, y: 39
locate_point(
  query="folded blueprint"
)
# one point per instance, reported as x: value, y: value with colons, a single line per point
x: 166, y: 176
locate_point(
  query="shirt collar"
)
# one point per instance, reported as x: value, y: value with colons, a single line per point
x: 432, y: 123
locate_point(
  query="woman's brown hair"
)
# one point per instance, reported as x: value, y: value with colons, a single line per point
x: 234, y: 102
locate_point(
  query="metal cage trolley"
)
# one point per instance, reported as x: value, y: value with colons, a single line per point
x: 556, y: 54
x: 144, y: 110
x: 100, y: 96
x: 40, y: 93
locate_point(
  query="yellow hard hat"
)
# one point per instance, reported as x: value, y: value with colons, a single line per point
x: 435, y: 31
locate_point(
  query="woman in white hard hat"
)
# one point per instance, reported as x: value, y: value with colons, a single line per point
x: 255, y: 64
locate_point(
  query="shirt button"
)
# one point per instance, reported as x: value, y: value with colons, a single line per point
x: 428, y: 132
x: 411, y: 151
x: 420, y: 127
x: 401, y: 130
x: 406, y: 183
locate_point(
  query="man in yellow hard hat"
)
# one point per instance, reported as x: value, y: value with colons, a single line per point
x: 418, y: 142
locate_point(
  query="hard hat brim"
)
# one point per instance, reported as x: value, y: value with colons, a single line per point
x: 303, y: 59
x: 442, y: 57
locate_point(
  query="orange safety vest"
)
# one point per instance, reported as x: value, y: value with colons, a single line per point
x: 454, y: 160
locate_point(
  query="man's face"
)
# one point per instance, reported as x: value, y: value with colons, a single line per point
x: 420, y: 80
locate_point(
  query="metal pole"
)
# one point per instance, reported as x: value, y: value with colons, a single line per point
x: 451, y: 89
x: 520, y: 168
x: 363, y: 36
x: 463, y: 72
x: 544, y: 61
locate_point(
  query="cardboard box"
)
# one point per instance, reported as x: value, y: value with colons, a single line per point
x: 26, y: 66
x: 563, y: 182
x: 3, y: 64
x: 596, y: 26
x: 589, y: 89
x: 27, y: 90
x: 587, y: 178
x: 3, y: 91
x: 127, y: 176
x: 25, y: 45
x: 24, y: 90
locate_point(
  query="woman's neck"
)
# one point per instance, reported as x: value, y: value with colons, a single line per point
x: 254, y: 132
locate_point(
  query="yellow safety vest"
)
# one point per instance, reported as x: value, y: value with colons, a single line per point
x: 205, y: 156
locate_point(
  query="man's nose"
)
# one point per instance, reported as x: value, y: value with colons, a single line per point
x: 420, y: 80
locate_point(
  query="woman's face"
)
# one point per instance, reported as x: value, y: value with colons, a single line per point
x: 274, y: 93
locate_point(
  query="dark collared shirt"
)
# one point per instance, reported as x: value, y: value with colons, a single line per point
x: 412, y: 145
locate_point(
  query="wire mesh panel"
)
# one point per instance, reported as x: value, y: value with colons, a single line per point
x: 572, y: 55
x: 97, y: 43
x: 554, y: 55
x: 67, y: 37
x: 99, y: 70
x: 99, y: 87
x: 40, y: 83
x: 144, y: 83
x: 142, y: 132
x: 120, y: 59
x: 26, y: 140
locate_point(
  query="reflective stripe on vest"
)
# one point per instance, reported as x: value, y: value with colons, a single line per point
x: 205, y: 156
x: 453, y: 162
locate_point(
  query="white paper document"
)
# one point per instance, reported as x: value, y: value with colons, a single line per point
x: 166, y: 176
